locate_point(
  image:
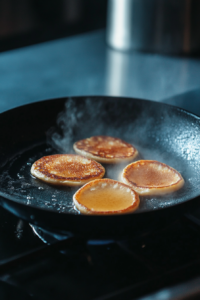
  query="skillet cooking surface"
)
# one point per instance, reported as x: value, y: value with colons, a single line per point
x: 160, y: 132
x: 166, y: 135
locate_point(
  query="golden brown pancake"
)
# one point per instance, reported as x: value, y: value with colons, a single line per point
x: 67, y: 169
x: 106, y: 196
x: 150, y: 177
x: 106, y: 149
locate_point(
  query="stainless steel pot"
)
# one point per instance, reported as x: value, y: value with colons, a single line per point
x: 166, y: 26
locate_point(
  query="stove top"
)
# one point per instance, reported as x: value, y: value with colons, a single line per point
x: 47, y: 266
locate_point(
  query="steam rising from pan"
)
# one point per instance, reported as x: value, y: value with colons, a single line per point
x: 162, y: 135
x: 92, y: 117
x: 77, y: 121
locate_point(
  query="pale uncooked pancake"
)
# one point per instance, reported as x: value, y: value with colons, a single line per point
x: 150, y: 177
x: 106, y: 149
x: 67, y: 169
x: 106, y: 196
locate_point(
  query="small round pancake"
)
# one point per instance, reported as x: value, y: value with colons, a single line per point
x: 106, y: 196
x: 67, y: 169
x: 150, y: 177
x: 106, y: 149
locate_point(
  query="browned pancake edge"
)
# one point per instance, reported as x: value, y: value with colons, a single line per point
x: 67, y: 169
x: 86, y: 210
x: 106, y: 149
x: 141, y: 189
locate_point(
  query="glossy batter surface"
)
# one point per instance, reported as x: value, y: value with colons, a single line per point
x: 106, y: 196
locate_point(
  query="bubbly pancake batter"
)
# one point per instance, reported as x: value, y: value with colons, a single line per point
x: 67, y: 169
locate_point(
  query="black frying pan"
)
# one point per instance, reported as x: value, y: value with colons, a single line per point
x: 159, y: 131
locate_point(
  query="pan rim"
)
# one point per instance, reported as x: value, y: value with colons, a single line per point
x: 102, y: 96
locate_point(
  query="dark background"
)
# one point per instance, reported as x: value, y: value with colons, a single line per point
x: 26, y: 22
